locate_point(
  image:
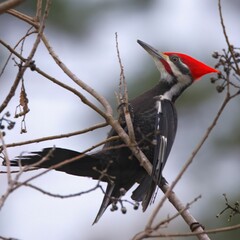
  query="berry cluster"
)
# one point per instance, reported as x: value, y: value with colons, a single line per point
x: 228, y: 62
x: 5, y: 122
x: 123, y: 208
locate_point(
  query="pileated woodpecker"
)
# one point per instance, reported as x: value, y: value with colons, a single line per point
x: 155, y: 123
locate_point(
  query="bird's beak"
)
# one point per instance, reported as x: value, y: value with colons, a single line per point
x: 160, y: 59
x: 153, y: 52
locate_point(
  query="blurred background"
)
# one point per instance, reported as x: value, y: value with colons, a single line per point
x: 82, y: 34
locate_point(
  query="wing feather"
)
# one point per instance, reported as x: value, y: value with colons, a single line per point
x: 165, y: 131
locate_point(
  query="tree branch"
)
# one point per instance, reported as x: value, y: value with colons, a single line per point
x: 4, y: 6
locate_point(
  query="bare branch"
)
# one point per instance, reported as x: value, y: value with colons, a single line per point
x: 79, y: 82
x: 226, y: 37
x: 59, y: 195
x: 211, y: 231
x: 148, y: 232
x: 124, y: 98
x: 4, y: 6
x: 24, y: 66
x: 12, y: 50
x: 6, y: 158
x: 66, y: 135
x: 234, y: 209
x: 24, y: 18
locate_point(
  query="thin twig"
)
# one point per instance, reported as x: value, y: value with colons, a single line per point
x: 66, y: 135
x: 59, y: 195
x: 6, y: 158
x: 24, y: 17
x: 158, y: 225
x: 21, y: 72
x: 227, y: 39
x: 79, y: 82
x: 59, y: 83
x: 124, y: 98
x: 74, y: 91
x: 189, y: 234
x: 38, y: 10
x: 149, y: 232
x: 23, y: 68
x: 4, y: 6
x: 12, y: 51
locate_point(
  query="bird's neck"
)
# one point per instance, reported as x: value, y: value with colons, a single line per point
x: 172, y: 89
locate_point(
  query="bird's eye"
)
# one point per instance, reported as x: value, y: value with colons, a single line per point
x: 174, y: 58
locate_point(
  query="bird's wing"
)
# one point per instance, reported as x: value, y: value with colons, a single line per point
x: 165, y: 131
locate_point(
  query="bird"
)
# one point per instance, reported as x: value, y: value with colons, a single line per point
x: 154, y: 118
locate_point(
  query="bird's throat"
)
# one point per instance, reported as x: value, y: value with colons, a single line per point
x: 171, y: 90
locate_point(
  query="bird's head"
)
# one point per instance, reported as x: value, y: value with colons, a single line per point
x: 177, y: 66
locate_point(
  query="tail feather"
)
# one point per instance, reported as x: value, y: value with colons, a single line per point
x: 145, y: 191
x: 106, y: 202
x: 85, y: 165
x: 100, y: 166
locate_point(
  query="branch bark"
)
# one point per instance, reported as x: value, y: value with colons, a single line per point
x: 4, y: 6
